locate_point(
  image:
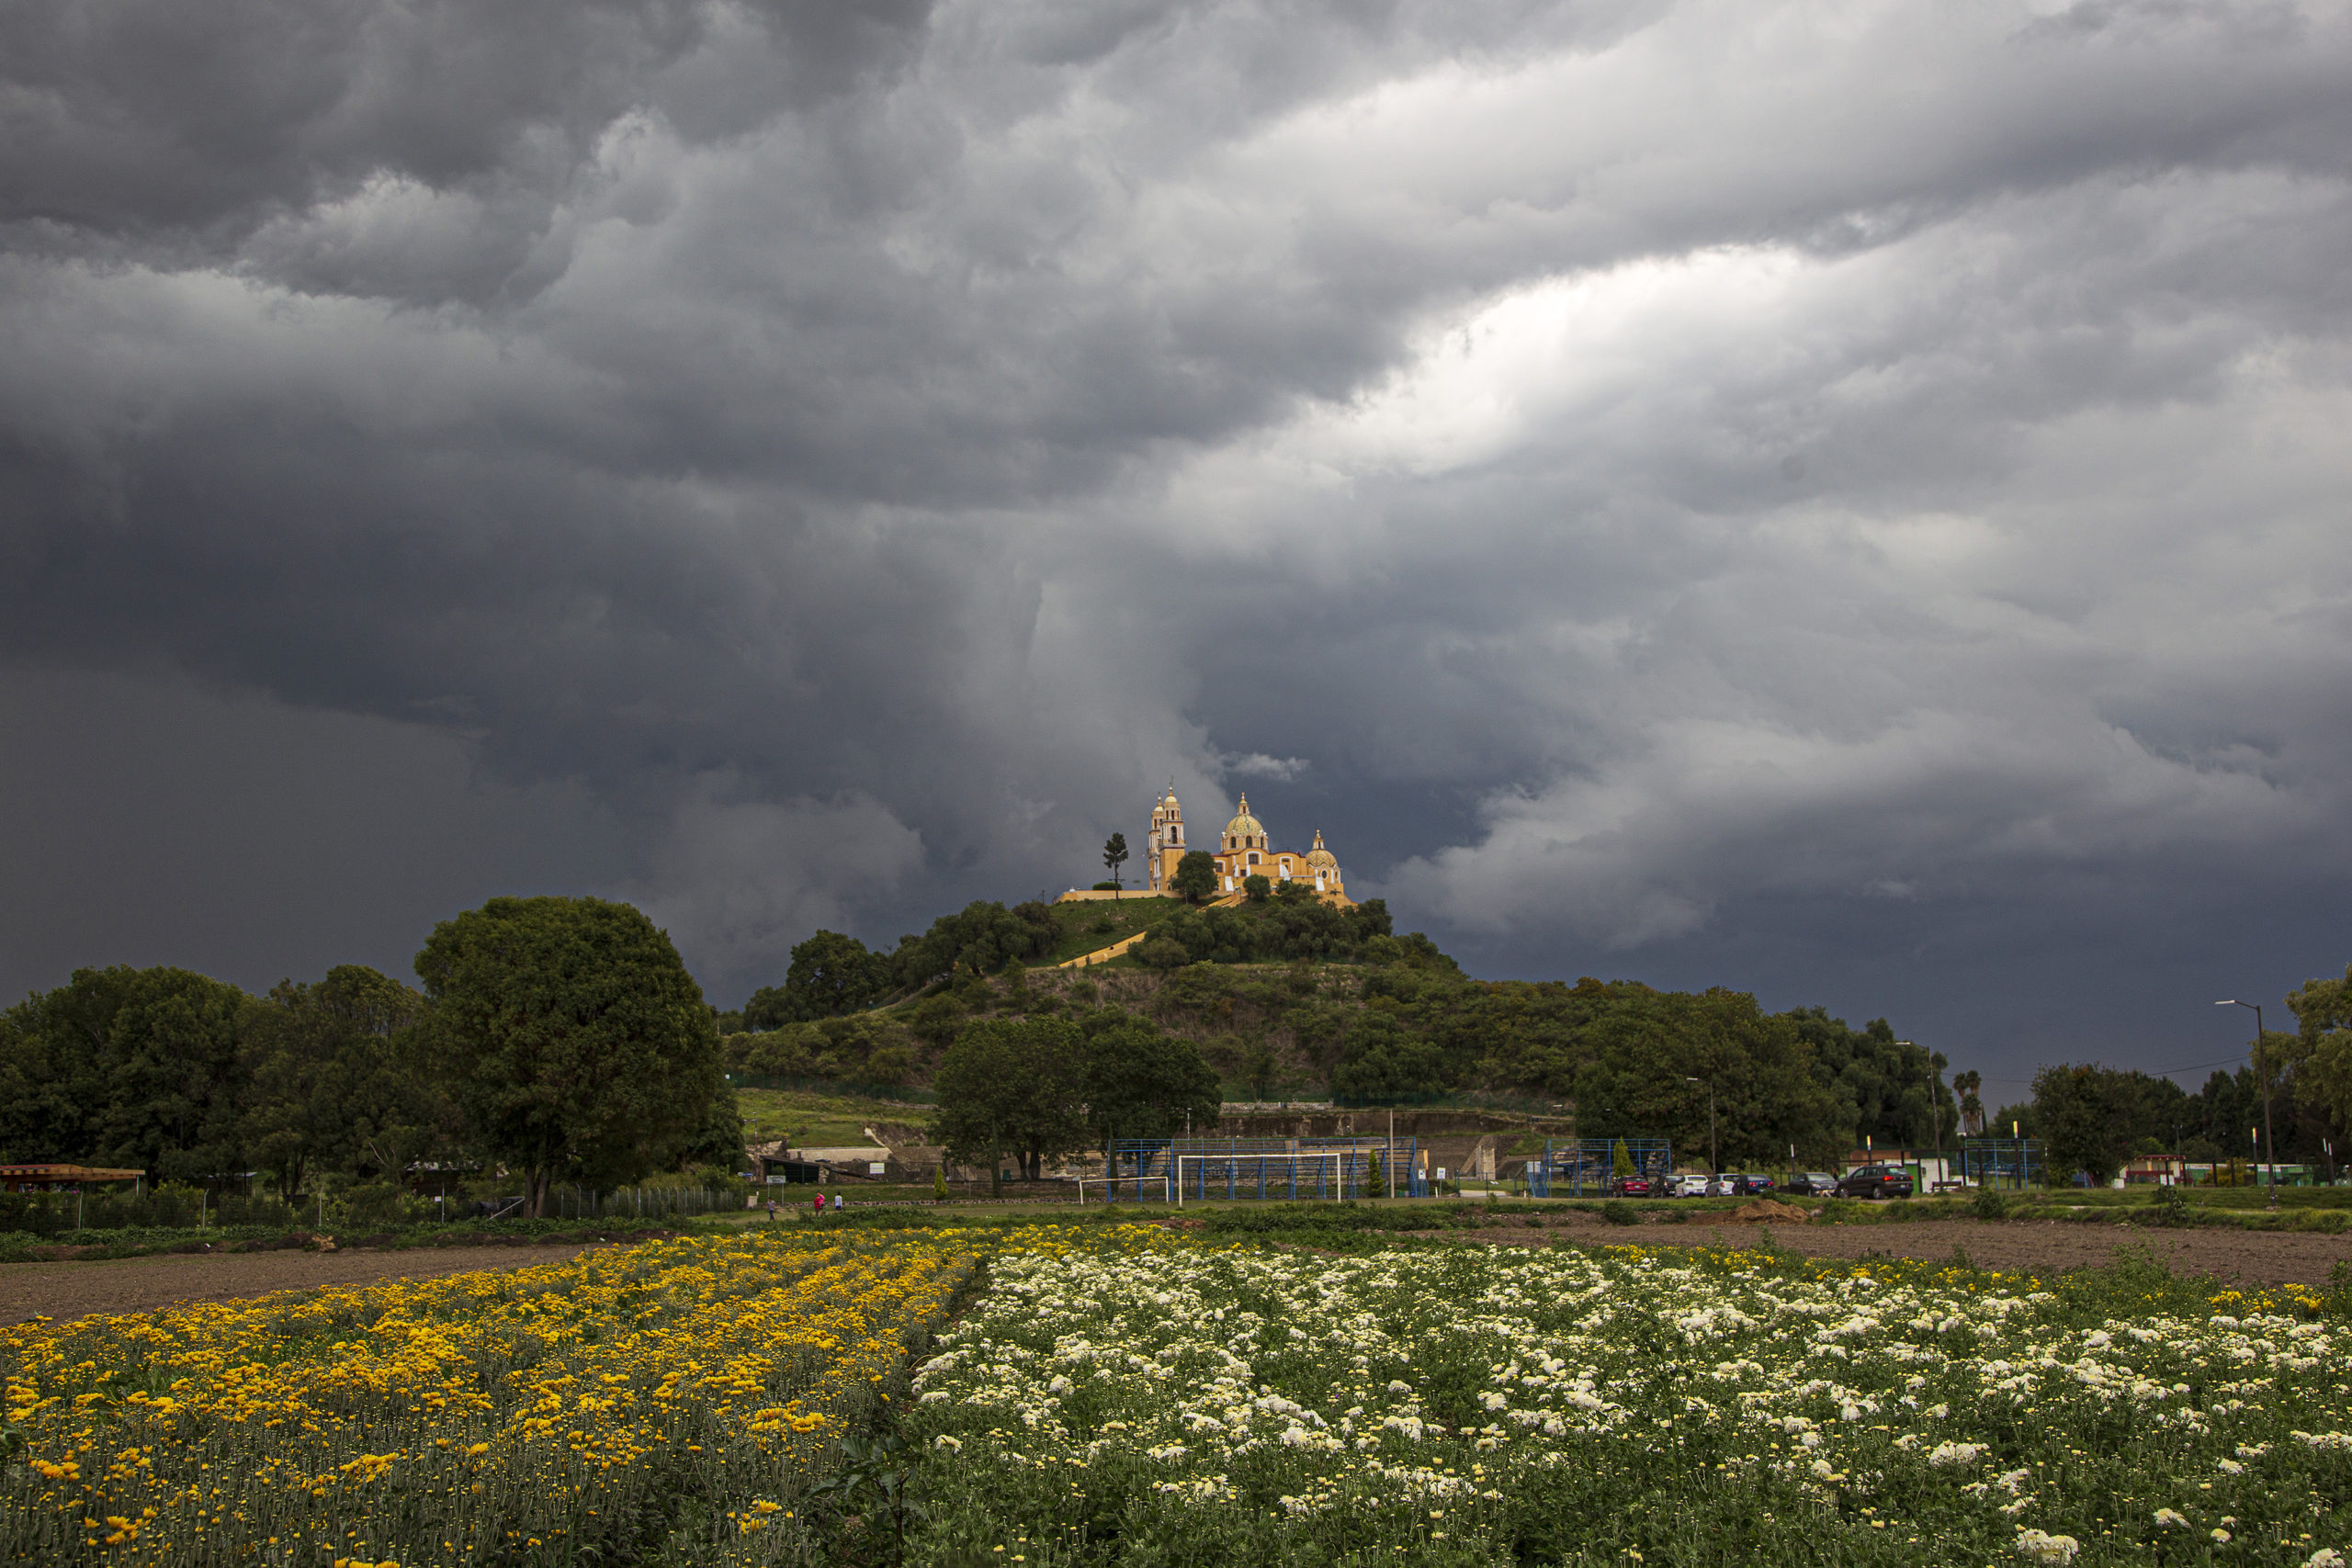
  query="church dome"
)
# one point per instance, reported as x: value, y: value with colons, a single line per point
x: 1243, y: 825
x: 1319, y: 857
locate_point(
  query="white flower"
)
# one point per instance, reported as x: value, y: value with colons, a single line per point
x: 1494, y: 1401
x: 950, y: 1444
x: 2167, y: 1517
x: 1946, y: 1454
x: 2325, y: 1557
x: 2221, y: 1537
x: 2038, y: 1546
x: 2231, y: 1466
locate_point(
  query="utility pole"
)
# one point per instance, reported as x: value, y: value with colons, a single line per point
x: 1935, y: 1103
x: 1715, y: 1165
x: 2261, y: 1072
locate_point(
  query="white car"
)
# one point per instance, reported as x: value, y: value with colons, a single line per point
x: 1725, y: 1186
x: 1689, y: 1187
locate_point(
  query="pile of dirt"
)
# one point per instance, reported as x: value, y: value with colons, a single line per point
x: 1767, y: 1212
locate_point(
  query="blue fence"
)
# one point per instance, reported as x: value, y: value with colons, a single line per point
x: 1279, y: 1170
x: 1578, y: 1167
x: 2003, y: 1162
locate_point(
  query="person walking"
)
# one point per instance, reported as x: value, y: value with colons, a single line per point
x: 820, y: 1205
x: 837, y: 1202
x: 771, y: 1208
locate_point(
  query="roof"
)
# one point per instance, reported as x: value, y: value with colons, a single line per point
x: 69, y: 1173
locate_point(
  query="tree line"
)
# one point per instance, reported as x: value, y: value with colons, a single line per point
x: 2094, y: 1118
x: 560, y: 1038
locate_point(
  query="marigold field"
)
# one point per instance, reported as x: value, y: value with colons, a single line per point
x: 1131, y: 1395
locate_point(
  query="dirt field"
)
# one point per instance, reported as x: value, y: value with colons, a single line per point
x: 141, y: 1284
x: 2251, y: 1256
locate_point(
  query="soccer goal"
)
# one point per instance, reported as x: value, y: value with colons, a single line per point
x: 1310, y: 1173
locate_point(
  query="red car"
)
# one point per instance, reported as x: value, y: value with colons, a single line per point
x: 1634, y: 1186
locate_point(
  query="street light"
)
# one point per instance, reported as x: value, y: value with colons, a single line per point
x: 2260, y: 1072
x: 1715, y: 1165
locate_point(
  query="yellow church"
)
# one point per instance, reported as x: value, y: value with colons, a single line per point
x: 1241, y: 852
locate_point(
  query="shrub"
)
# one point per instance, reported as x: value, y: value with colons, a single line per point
x: 2168, y: 1206
x: 1991, y: 1205
x: 1161, y: 952
x: 1618, y: 1212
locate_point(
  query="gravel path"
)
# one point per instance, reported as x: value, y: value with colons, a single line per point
x: 142, y: 1284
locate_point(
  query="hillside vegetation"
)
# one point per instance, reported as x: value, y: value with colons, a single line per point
x: 1296, y: 999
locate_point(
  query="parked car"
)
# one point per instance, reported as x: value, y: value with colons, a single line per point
x: 1813, y: 1184
x: 1753, y: 1185
x: 1691, y: 1186
x: 1633, y: 1186
x: 1876, y: 1181
x: 1725, y: 1185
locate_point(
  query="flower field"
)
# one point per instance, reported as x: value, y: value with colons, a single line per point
x: 1168, y: 1403
x: 1124, y: 1395
x: 668, y: 1393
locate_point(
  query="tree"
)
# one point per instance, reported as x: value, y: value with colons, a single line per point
x: 2088, y: 1113
x: 2323, y: 1008
x: 126, y: 1067
x: 1114, y: 855
x: 831, y: 975
x: 1142, y: 1083
x: 1012, y: 1087
x: 1195, y: 877
x: 1258, y: 888
x: 334, y: 1084
x: 1970, y: 1086
x: 571, y: 1036
x: 981, y: 938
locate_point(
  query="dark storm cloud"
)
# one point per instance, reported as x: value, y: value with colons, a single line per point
x: 1636, y: 475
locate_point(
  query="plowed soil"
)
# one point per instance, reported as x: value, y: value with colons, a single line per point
x: 142, y: 1284
x: 2261, y: 1257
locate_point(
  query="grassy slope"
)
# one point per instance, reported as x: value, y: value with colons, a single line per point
x: 820, y: 1120
x: 1127, y: 916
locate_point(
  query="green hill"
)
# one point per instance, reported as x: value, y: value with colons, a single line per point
x: 1294, y: 999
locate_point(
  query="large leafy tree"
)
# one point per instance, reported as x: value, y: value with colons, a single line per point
x: 1141, y: 1082
x: 831, y: 975
x: 334, y: 1083
x: 2323, y: 1050
x: 1012, y: 1087
x: 124, y: 1066
x: 1195, y: 877
x: 571, y: 1036
x: 2093, y: 1116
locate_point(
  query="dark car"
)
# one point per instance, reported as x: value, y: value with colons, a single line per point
x: 1634, y: 1186
x: 1876, y: 1181
x: 1754, y: 1186
x: 1813, y: 1184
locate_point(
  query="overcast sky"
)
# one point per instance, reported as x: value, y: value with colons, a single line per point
x: 1843, y: 500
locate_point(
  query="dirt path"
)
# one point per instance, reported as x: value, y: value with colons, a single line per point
x: 142, y: 1284
x: 2266, y: 1258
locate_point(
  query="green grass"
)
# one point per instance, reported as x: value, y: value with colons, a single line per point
x: 1127, y: 915
x: 820, y: 1120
